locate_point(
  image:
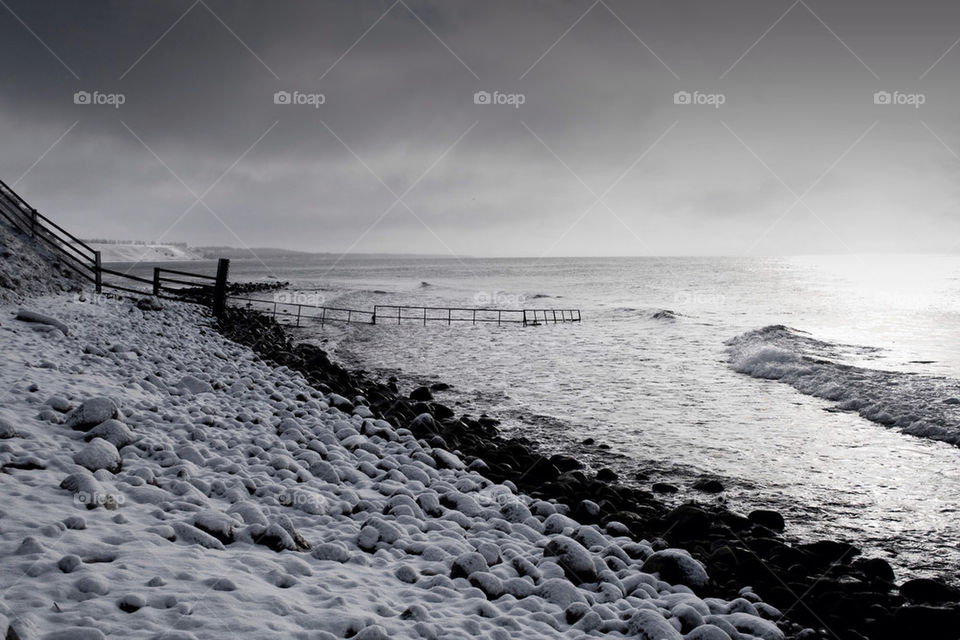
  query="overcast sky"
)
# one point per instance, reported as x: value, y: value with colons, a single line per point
x: 599, y: 159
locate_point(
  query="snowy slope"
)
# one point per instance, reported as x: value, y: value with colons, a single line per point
x: 27, y: 268
x: 143, y: 252
x: 229, y: 499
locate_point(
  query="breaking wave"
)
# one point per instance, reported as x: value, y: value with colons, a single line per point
x: 923, y: 406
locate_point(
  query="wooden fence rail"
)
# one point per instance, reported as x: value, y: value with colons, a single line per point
x: 83, y: 260
x: 211, y: 290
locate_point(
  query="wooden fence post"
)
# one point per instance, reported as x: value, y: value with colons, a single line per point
x: 156, y: 281
x: 97, y: 273
x: 220, y: 287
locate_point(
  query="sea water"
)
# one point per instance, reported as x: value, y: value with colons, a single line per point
x: 824, y: 387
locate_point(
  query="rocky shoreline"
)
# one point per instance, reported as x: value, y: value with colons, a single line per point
x: 827, y: 585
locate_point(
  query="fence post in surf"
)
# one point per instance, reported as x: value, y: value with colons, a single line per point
x: 499, y: 313
x: 220, y: 287
x: 524, y: 317
x: 449, y: 317
x: 424, y: 316
x: 299, y: 309
x: 474, y: 316
x: 97, y: 273
x: 156, y: 281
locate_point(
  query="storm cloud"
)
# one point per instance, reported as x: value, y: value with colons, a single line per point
x: 534, y: 128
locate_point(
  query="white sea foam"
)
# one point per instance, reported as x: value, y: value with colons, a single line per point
x: 924, y: 406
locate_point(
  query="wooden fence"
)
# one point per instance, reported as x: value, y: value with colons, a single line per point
x: 85, y: 262
x: 211, y: 290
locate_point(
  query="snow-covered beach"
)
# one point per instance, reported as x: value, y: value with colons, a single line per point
x: 161, y: 481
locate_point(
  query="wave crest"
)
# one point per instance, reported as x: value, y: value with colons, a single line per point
x: 923, y: 406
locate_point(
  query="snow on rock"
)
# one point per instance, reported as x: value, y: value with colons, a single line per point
x: 7, y: 430
x: 113, y: 431
x: 576, y: 561
x: 677, y: 566
x: 262, y: 507
x: 92, y: 412
x: 99, y: 454
x: 757, y: 627
x: 192, y: 385
x: 32, y: 316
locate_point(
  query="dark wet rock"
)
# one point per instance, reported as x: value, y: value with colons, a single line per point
x: 767, y: 518
x: 441, y: 412
x: 607, y: 475
x: 929, y: 623
x: 422, y: 394
x: 828, y: 551
x: 664, y: 487
x: 688, y: 521
x: 708, y: 485
x: 876, y: 569
x: 924, y: 590
x: 565, y: 463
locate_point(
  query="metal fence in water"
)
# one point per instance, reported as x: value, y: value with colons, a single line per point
x: 300, y: 314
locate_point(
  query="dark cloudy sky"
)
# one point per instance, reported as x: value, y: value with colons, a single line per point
x: 598, y: 160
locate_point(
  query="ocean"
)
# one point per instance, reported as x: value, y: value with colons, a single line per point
x: 825, y: 387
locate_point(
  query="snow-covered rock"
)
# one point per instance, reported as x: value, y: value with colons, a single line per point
x: 92, y: 412
x: 677, y: 566
x: 263, y: 507
x: 25, y: 315
x: 99, y: 454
